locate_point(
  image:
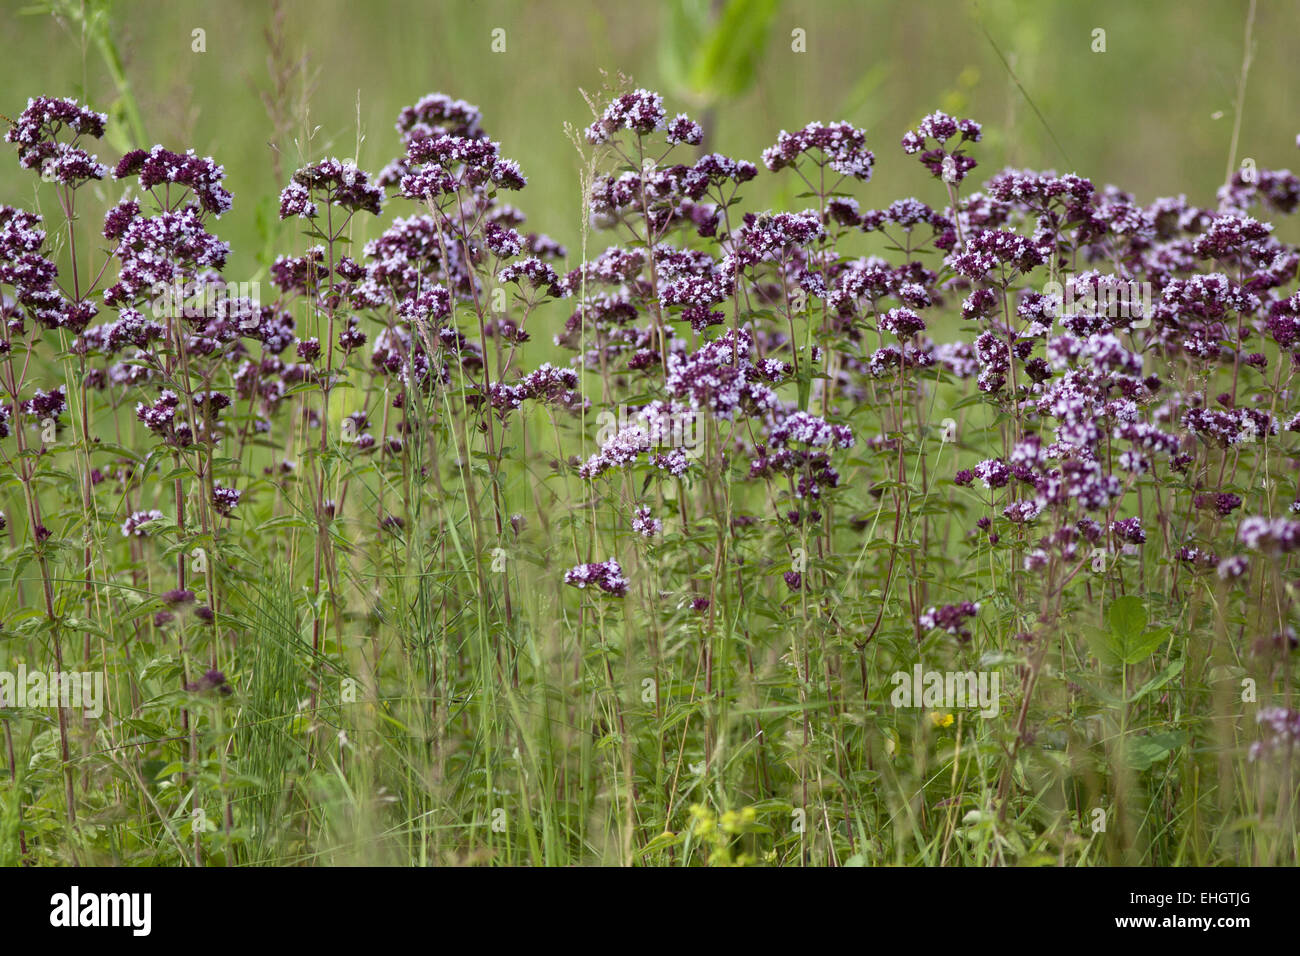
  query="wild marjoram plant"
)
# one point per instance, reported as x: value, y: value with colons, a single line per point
x: 745, y: 581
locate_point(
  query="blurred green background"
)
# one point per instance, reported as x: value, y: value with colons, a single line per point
x: 1153, y: 114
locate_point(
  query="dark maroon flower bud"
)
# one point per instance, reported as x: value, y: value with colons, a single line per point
x: 224, y: 500
x: 202, y: 176
x: 1129, y: 530
x: 119, y: 217
x: 352, y: 338
x: 685, y: 130
x: 212, y: 680
x: 950, y: 618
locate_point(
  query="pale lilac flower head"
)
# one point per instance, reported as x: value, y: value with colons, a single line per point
x: 998, y: 250
x: 1129, y: 530
x: 534, y: 273
x: 1281, y: 729
x: 904, y: 323
x: 805, y: 429
x: 620, y: 449
x: 135, y: 526
x: 645, y: 524
x: 1269, y: 535
x: 439, y: 115
x: 993, y: 472
x: 1229, y: 235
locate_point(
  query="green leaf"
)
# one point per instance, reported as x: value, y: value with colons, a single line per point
x: 1103, y: 645
x: 1127, y: 639
x: 661, y: 842
x: 710, y: 59
x: 685, y: 21
x: 1143, y: 752
x: 1164, y: 677
x: 1144, y: 645
x: 1126, y: 617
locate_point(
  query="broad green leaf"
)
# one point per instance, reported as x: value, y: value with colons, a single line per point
x: 1143, y: 752
x: 1127, y: 641
x: 1164, y: 677
x: 1126, y: 616
x: 1137, y: 649
x: 1102, y: 643
x: 709, y: 59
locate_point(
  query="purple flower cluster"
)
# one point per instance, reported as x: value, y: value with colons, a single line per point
x: 37, y: 132
x: 645, y: 523
x: 605, y: 575
x: 204, y: 179
x: 720, y: 377
x: 640, y: 111
x: 334, y: 183
x: 1281, y: 729
x: 547, y: 384
x: 225, y: 500
x: 952, y: 166
x: 840, y: 147
x: 135, y: 526
x: 443, y: 166
x: 951, y: 618
x: 1269, y: 535
x: 621, y: 449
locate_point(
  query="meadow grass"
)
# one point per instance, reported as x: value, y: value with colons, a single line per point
x: 429, y: 599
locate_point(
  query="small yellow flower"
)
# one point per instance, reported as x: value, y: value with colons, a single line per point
x: 737, y: 821
x: 940, y: 719
x: 704, y: 820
